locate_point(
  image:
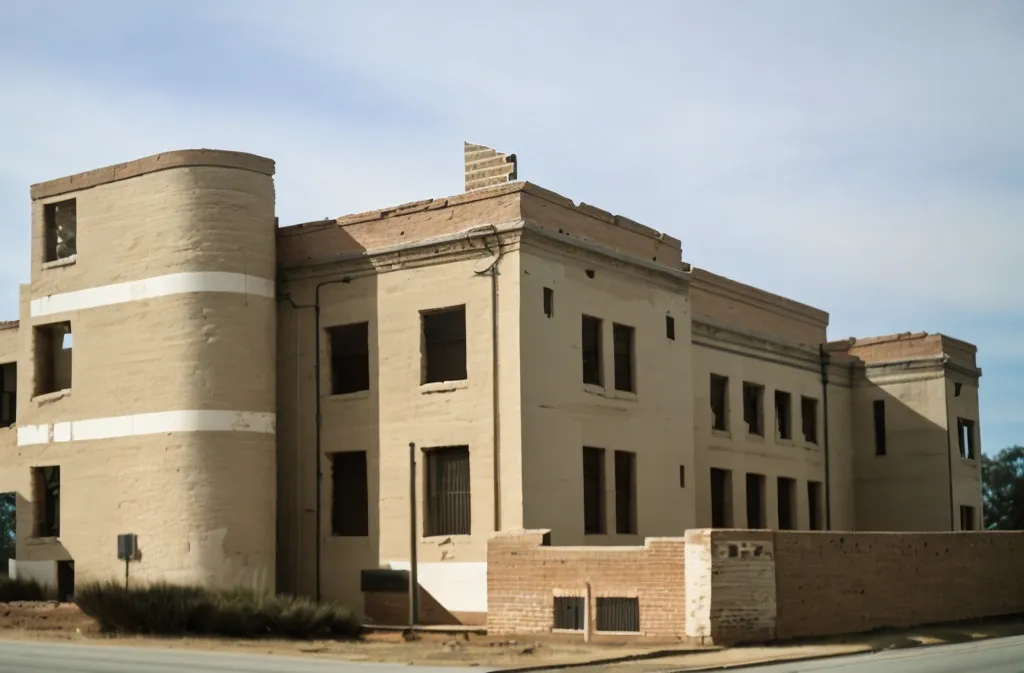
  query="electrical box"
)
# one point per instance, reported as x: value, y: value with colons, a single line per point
x: 127, y: 546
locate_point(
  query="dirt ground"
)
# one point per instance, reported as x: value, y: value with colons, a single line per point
x: 65, y: 622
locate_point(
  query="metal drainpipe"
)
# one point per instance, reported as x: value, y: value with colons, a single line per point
x: 824, y: 408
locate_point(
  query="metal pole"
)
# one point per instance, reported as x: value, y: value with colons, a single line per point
x: 126, y: 562
x: 414, y: 585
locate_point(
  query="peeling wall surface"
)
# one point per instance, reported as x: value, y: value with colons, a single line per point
x: 194, y: 405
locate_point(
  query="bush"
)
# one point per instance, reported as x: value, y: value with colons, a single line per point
x: 166, y: 609
x: 19, y: 590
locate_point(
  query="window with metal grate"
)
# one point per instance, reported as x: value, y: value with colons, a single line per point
x: 621, y: 615
x: 569, y: 613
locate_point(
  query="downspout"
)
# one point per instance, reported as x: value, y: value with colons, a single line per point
x: 949, y: 449
x: 824, y: 408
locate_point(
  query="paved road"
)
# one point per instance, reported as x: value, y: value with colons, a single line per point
x: 17, y: 657
x: 999, y: 655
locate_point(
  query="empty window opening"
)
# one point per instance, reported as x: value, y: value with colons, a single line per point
x: 719, y: 402
x: 753, y: 408
x: 65, y: 581
x: 61, y: 224
x: 957, y: 388
x: 590, y: 273
x: 568, y: 613
x: 8, y: 395
x: 591, y: 350
x: 966, y: 517
x: 809, y: 419
x: 879, y: 413
x: 350, y: 516
x: 721, y: 498
x: 623, y: 337
x: 755, y: 501
x: 444, y: 345
x: 549, y: 302
x: 53, y: 357
x: 966, y: 436
x: 815, y: 505
x: 625, y: 493
x: 8, y: 528
x: 593, y: 491
x: 783, y: 415
x: 46, y: 497
x: 787, y: 503
x: 670, y: 328
x: 448, y: 494
x: 617, y: 615
x: 682, y: 476
x: 350, y: 358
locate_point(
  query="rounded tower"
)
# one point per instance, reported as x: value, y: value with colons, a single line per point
x: 152, y: 385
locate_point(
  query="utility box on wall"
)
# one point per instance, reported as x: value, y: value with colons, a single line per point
x: 127, y: 546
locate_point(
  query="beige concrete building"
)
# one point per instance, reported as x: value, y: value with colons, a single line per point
x: 242, y: 396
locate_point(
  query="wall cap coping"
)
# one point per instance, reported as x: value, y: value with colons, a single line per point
x: 157, y: 162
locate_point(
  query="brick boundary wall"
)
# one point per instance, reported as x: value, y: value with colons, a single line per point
x: 524, y: 576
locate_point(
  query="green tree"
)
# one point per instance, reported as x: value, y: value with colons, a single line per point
x: 1002, y: 479
x: 8, y: 504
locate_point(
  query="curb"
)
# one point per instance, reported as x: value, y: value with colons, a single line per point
x: 657, y: 654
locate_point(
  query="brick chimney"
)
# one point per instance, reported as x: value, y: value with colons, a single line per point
x: 486, y: 167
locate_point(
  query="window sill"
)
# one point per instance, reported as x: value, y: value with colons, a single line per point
x: 441, y: 538
x: 443, y: 387
x: 721, y: 433
x: 42, y: 541
x: 593, y: 389
x: 610, y: 394
x: 46, y: 398
x: 349, y: 397
x: 627, y: 395
x: 67, y: 261
x: 811, y: 447
x: 969, y: 461
x: 785, y: 442
x: 755, y: 438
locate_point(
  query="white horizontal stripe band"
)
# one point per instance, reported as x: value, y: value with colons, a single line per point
x: 147, y: 424
x: 151, y: 288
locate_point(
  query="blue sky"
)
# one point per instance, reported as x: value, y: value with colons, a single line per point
x: 864, y: 157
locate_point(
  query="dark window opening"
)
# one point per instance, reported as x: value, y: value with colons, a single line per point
x: 46, y: 494
x: 623, y: 338
x: 444, y: 343
x: 966, y: 517
x: 809, y: 418
x: 8, y: 529
x: 350, y: 358
x: 670, y: 327
x: 569, y: 612
x: 8, y: 395
x: 593, y: 491
x: 721, y: 498
x: 549, y: 302
x: 966, y: 436
x: 787, y: 503
x: 625, y: 493
x: 957, y: 388
x: 591, y: 350
x: 61, y: 230
x: 53, y: 348
x: 448, y: 493
x: 814, y: 504
x: 879, y: 412
x: 350, y: 501
x: 755, y: 501
x: 783, y: 415
x: 753, y: 408
x: 719, y: 402
x: 682, y: 476
x: 617, y: 615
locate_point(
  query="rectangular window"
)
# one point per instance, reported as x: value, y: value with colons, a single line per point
x: 8, y: 394
x: 46, y: 496
x: 350, y: 515
x: 625, y: 493
x: 721, y: 498
x: 755, y: 501
x: 719, y: 402
x: 448, y: 493
x: 879, y: 412
x: 593, y: 491
x: 814, y: 503
x: 52, y: 357
x: 444, y: 345
x: 623, y: 337
x: 670, y: 328
x: 809, y: 418
x: 569, y: 613
x: 617, y: 615
x: 60, y: 222
x: 549, y: 302
x: 592, y: 351
x: 787, y: 503
x: 350, y: 358
x: 966, y: 517
x: 965, y: 434
x: 783, y: 415
x: 753, y: 408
